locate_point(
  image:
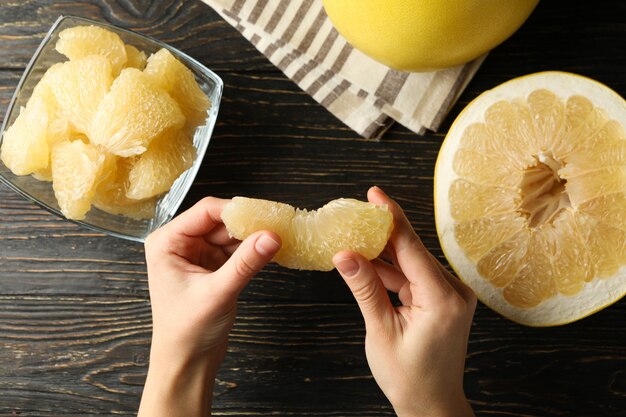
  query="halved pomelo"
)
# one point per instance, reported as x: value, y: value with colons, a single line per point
x: 530, y: 197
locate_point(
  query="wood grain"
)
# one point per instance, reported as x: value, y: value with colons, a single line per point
x: 190, y: 26
x: 74, y: 309
x: 292, y: 359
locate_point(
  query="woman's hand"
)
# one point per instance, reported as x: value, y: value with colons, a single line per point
x: 195, y: 274
x: 416, y: 351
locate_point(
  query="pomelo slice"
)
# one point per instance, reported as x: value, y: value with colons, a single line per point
x: 81, y: 41
x: 132, y: 114
x: 530, y: 196
x: 110, y: 194
x: 310, y: 239
x: 24, y: 145
x: 172, y: 76
x: 154, y: 171
x: 78, y: 87
x: 76, y: 171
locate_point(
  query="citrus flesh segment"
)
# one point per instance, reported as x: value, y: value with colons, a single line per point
x: 483, y: 169
x: 76, y: 169
x: 471, y: 201
x: 78, y: 88
x: 44, y: 93
x: 81, y: 41
x: 132, y: 114
x: 58, y: 127
x: 135, y: 58
x: 583, y: 121
x: 172, y: 76
x: 608, y: 209
x: 24, y: 145
x: 342, y: 224
x: 547, y: 113
x: 569, y: 255
x: 484, y: 139
x: 512, y: 131
x: 605, y: 147
x: 479, y: 236
x: 111, y: 192
x: 155, y: 170
x: 139, y: 209
x: 311, y: 238
x: 532, y: 283
x: 530, y: 198
x: 595, y: 184
x: 607, y: 246
x: 502, y: 263
x: 241, y: 217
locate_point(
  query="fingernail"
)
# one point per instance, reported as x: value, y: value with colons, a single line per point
x: 347, y: 267
x: 266, y: 246
x: 380, y: 190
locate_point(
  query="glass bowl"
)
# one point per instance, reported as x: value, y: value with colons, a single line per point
x: 41, y: 192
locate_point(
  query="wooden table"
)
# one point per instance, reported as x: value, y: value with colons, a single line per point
x: 74, y: 310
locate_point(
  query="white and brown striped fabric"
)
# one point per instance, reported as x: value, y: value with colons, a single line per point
x: 298, y: 37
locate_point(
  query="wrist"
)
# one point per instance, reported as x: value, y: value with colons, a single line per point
x: 169, y: 358
x: 457, y: 408
x: 179, y: 386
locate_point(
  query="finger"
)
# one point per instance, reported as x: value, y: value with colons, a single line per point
x: 460, y: 287
x: 388, y: 254
x: 394, y: 280
x: 199, y: 220
x: 412, y: 256
x: 219, y: 236
x: 391, y: 277
x: 405, y: 296
x: 368, y: 290
x: 466, y: 293
x: 250, y: 257
x: 180, y: 236
x: 230, y: 249
x: 212, y: 258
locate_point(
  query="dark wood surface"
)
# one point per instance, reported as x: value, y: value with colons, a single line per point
x: 74, y: 310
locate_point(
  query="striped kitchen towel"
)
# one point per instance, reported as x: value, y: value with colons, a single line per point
x: 298, y: 37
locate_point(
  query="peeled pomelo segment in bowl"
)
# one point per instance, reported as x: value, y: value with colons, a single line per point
x: 24, y: 145
x: 530, y: 198
x: 27, y: 142
x: 136, y: 58
x: 138, y: 210
x: 59, y: 129
x: 172, y: 76
x: 155, y: 170
x: 78, y: 87
x: 132, y: 114
x: 76, y: 171
x: 81, y: 41
x: 310, y: 239
x: 54, y: 137
x: 110, y: 195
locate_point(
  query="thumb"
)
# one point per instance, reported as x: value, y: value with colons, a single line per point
x: 249, y: 258
x: 367, y: 288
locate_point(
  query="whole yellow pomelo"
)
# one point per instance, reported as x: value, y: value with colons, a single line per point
x: 423, y: 35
